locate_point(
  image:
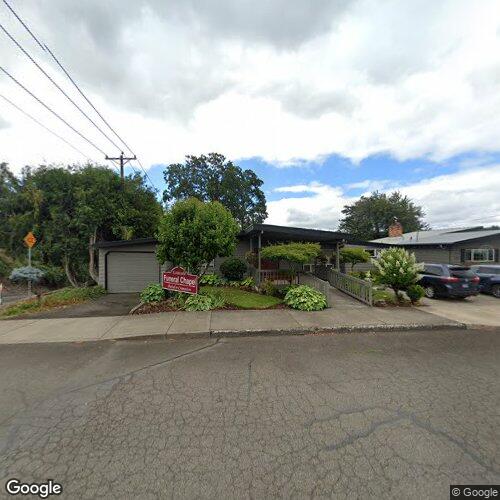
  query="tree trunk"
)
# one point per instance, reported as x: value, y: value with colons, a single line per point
x: 69, y: 274
x: 92, y: 267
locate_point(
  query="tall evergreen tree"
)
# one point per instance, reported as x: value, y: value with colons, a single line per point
x: 213, y: 178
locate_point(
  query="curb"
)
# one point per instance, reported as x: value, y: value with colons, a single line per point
x: 338, y: 329
x: 296, y: 331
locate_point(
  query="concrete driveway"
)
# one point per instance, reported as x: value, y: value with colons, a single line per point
x: 480, y: 310
x: 113, y: 304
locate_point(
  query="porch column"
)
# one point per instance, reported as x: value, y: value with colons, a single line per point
x: 259, y: 246
x: 337, y: 256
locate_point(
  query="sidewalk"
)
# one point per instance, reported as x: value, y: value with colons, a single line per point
x: 217, y: 324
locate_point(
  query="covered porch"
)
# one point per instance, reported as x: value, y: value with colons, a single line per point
x: 261, y: 235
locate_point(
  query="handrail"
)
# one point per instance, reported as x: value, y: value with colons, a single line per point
x: 355, y: 287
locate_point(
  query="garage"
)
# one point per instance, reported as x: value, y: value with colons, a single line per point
x: 128, y: 266
x: 131, y: 271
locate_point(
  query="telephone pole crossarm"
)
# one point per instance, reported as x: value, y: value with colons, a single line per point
x: 123, y: 161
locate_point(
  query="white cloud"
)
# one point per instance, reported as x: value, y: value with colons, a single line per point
x: 3, y: 123
x: 281, y: 80
x: 312, y: 187
x: 467, y: 197
x: 371, y: 185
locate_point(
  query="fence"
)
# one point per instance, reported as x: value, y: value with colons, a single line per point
x: 355, y: 287
x: 279, y: 276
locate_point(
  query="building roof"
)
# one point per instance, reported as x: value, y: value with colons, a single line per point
x: 125, y: 243
x: 268, y: 230
x: 295, y: 233
x: 438, y: 237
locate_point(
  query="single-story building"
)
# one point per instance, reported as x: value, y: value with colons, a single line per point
x: 129, y: 265
x: 465, y: 246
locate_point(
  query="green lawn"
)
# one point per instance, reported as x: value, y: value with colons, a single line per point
x: 63, y: 297
x: 244, y: 299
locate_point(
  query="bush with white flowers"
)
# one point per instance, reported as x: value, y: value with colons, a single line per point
x: 397, y: 269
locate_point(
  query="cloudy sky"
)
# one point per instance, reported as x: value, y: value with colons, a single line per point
x: 325, y: 99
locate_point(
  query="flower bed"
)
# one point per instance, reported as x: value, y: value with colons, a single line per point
x: 228, y: 298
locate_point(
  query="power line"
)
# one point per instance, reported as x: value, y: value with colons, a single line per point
x: 98, y: 113
x: 43, y: 126
x: 52, y: 111
x: 45, y: 48
x: 23, y: 23
x: 57, y: 86
x: 84, y: 96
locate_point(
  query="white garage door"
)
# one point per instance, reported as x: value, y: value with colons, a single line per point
x: 131, y: 271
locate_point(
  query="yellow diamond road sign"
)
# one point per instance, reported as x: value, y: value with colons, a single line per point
x: 30, y: 239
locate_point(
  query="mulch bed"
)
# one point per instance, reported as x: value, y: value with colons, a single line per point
x: 167, y: 306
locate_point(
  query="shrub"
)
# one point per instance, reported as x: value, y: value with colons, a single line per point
x: 152, y: 293
x: 25, y: 274
x: 397, y: 269
x: 7, y: 263
x: 268, y: 288
x: 233, y: 269
x: 198, y: 302
x: 248, y: 282
x: 362, y: 275
x: 305, y: 298
x: 415, y: 293
x: 281, y: 291
x: 5, y: 269
x: 53, y: 276
x: 235, y: 284
x: 211, y: 279
x: 216, y: 297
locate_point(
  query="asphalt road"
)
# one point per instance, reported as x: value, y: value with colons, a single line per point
x: 386, y: 415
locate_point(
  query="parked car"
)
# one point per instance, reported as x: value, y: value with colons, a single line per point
x: 445, y: 280
x: 489, y: 279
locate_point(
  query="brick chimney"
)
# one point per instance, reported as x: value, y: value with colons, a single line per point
x: 395, y: 229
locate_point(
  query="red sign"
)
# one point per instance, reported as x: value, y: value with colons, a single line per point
x: 178, y: 280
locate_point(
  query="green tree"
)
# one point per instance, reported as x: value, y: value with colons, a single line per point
x: 294, y: 253
x: 299, y: 253
x: 193, y: 233
x: 353, y: 256
x: 71, y: 208
x: 369, y: 217
x: 213, y: 178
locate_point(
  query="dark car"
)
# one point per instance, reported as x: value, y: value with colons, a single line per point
x: 445, y: 280
x: 489, y: 279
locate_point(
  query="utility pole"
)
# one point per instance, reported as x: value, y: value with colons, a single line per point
x: 123, y: 161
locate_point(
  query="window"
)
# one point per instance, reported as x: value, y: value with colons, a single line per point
x: 479, y: 254
x: 374, y: 252
x: 433, y: 270
x: 461, y: 272
x: 489, y: 270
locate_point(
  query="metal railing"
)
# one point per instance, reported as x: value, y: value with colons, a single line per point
x: 278, y: 276
x: 355, y: 287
